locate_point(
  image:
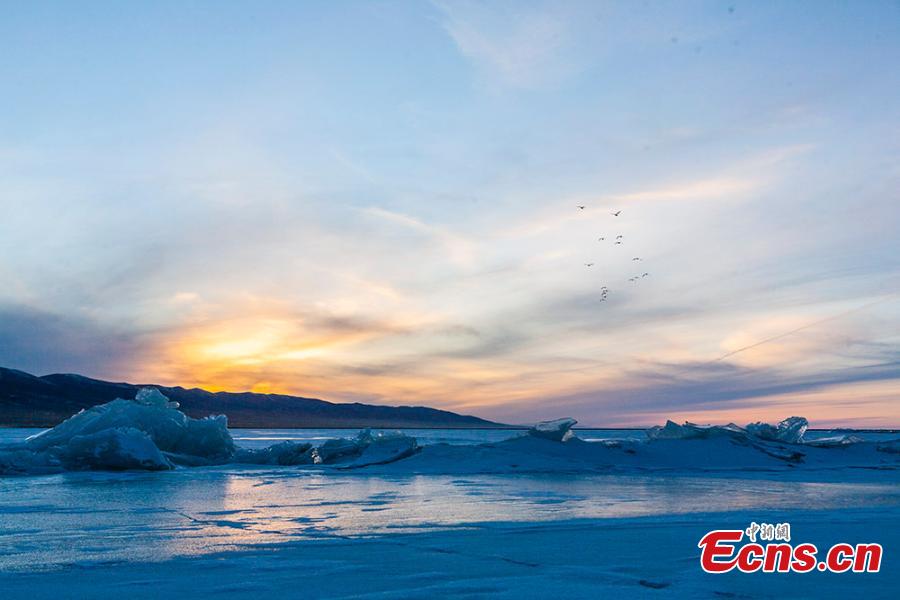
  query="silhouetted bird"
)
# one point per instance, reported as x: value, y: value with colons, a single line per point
x: 600, y: 239
x: 618, y: 242
x: 636, y: 258
x: 617, y: 213
x: 618, y: 237
x: 589, y: 264
x: 645, y: 274
x: 581, y: 207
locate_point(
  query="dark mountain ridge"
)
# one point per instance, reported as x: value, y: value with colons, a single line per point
x: 30, y: 401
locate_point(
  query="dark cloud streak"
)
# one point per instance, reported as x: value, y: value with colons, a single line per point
x: 42, y: 342
x: 668, y: 389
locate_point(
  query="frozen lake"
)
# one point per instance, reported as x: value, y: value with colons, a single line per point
x: 74, y: 528
x: 83, y: 518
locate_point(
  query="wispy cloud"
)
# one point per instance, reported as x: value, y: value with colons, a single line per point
x: 517, y: 44
x: 720, y: 393
x: 704, y: 189
x: 459, y: 249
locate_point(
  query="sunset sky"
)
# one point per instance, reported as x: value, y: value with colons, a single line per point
x: 378, y: 202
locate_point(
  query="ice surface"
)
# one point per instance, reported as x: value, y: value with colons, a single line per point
x: 558, y: 430
x: 17, y: 460
x: 357, y: 523
x: 266, y: 534
x: 891, y: 446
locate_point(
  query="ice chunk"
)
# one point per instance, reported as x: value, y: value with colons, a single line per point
x: 386, y: 449
x: 150, y: 396
x: 836, y: 441
x: 337, y: 448
x: 367, y: 448
x: 207, y: 437
x: 113, y: 450
x: 557, y: 430
x: 150, y: 412
x: 688, y: 431
x: 670, y: 431
x: 790, y: 430
x: 346, y: 448
x: 283, y: 453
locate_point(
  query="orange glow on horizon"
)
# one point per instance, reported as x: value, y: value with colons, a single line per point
x: 269, y: 349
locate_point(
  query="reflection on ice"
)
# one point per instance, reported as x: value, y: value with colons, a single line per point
x: 78, y: 518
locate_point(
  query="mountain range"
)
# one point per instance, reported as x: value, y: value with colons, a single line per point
x: 30, y: 401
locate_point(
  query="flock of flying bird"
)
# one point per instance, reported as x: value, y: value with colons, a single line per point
x: 604, y: 291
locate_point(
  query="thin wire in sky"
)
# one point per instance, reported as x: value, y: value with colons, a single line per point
x: 807, y: 326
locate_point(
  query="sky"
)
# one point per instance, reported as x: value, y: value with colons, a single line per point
x: 378, y: 202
